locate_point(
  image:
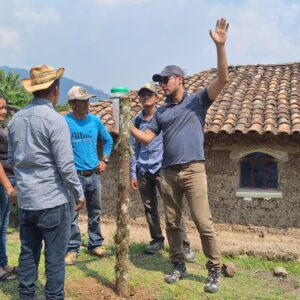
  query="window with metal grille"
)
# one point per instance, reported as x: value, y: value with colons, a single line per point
x: 258, y: 170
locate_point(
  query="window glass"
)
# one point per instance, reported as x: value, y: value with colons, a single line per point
x: 259, y: 170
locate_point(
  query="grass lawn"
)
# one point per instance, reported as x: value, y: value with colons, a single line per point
x: 92, y: 278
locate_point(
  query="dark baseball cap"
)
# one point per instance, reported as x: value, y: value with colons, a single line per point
x: 168, y: 71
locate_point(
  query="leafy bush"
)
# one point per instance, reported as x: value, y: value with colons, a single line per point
x: 62, y: 107
x: 10, y: 88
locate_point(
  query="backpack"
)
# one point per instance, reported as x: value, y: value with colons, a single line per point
x: 138, y: 122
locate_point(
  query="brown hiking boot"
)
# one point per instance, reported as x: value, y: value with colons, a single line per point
x: 100, y: 252
x: 71, y: 258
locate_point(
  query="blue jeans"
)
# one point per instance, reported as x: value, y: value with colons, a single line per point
x: 52, y: 226
x: 92, y: 191
x: 5, y: 206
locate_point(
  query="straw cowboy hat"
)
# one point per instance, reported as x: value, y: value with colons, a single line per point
x: 41, y: 78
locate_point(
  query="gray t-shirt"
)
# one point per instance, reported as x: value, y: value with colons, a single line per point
x: 183, y: 128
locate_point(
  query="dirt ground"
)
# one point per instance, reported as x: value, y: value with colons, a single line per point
x: 268, y: 243
x: 90, y: 289
x: 234, y: 240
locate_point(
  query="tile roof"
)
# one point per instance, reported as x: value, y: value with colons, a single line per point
x: 257, y: 98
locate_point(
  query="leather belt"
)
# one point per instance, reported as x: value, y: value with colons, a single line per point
x: 87, y: 173
x: 185, y: 165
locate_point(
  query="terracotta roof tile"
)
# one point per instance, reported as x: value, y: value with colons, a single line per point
x: 257, y: 98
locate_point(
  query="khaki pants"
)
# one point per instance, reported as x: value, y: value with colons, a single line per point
x: 147, y: 188
x: 189, y: 180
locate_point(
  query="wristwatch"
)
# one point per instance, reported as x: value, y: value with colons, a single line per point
x: 106, y: 160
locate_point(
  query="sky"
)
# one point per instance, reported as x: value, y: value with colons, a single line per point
x: 111, y: 43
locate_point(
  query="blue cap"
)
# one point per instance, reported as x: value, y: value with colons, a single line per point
x: 168, y: 71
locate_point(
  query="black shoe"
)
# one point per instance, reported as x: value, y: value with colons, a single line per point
x: 178, y: 272
x: 154, y: 247
x: 189, y: 255
x: 213, y: 281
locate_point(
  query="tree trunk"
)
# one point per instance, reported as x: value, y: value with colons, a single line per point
x: 122, y: 236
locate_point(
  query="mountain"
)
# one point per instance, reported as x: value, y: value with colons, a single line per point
x: 65, y: 85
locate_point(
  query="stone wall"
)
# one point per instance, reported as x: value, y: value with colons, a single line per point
x: 222, y: 164
x: 223, y: 180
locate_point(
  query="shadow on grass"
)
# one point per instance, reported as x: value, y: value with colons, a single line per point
x: 10, y: 288
x: 155, y: 262
x: 89, y: 272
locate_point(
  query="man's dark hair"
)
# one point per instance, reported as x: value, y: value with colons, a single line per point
x: 47, y: 92
x: 183, y: 79
x: 3, y: 97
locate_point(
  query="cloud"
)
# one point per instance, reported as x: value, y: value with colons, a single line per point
x: 43, y: 16
x: 9, y: 38
x: 261, y: 31
x: 116, y: 3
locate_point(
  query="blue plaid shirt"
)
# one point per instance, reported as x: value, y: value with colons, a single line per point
x: 39, y: 147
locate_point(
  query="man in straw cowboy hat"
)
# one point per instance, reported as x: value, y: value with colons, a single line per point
x: 39, y: 147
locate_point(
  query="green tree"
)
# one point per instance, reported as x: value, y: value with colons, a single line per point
x: 10, y: 88
x: 62, y: 107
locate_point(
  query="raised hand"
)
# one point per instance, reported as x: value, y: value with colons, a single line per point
x: 220, y: 33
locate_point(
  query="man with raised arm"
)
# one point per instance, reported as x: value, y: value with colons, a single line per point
x: 145, y: 164
x: 182, y: 121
